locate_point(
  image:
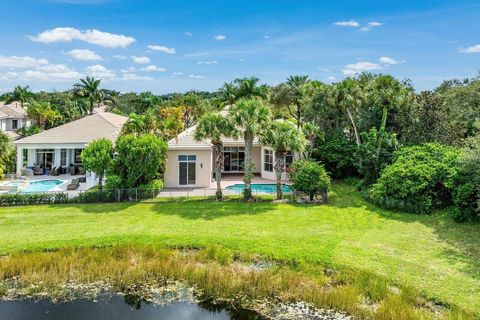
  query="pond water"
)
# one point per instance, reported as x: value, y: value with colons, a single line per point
x: 118, y: 308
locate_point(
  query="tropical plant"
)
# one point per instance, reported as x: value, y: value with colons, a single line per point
x: 139, y: 124
x: 419, y: 180
x: 97, y: 157
x: 311, y: 178
x: 214, y: 127
x: 22, y: 94
x: 139, y: 159
x: 7, y: 154
x: 347, y: 97
x: 251, y: 118
x: 295, y: 84
x: 249, y: 88
x: 282, y: 136
x: 312, y: 133
x: 89, y: 88
x: 227, y: 94
x: 42, y: 113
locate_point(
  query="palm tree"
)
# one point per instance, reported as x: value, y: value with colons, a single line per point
x: 227, y: 94
x: 283, y: 136
x: 213, y: 127
x: 22, y: 94
x: 295, y: 83
x: 249, y: 88
x: 347, y: 96
x: 251, y: 117
x: 89, y: 88
x: 311, y: 132
x: 42, y: 113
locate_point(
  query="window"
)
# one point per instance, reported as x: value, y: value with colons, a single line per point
x: 233, y: 159
x: 14, y: 124
x: 288, y: 160
x: 77, y: 157
x: 268, y: 160
x: 187, y: 169
x: 25, y: 157
x: 63, y: 157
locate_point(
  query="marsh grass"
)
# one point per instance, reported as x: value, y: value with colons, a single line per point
x: 216, y: 275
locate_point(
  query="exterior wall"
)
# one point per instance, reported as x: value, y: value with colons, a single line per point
x: 203, y: 168
x: 3, y: 125
x: 257, y: 159
x: 267, y: 174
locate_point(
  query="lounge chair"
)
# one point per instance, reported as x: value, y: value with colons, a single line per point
x: 82, y: 179
x: 74, y: 184
x: 54, y: 172
x: 37, y: 170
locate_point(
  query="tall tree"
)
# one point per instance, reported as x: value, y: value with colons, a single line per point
x: 7, y: 151
x: 42, y: 113
x: 282, y: 136
x: 22, y: 94
x: 97, y: 157
x: 347, y: 97
x: 214, y: 127
x: 295, y: 84
x: 227, y: 94
x: 89, y: 88
x: 251, y: 117
x: 290, y: 95
x: 249, y: 88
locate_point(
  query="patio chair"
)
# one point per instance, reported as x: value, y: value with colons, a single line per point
x: 55, y: 171
x: 74, y: 184
x: 82, y: 179
x: 37, y: 170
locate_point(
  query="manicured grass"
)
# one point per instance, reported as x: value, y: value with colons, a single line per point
x: 431, y: 253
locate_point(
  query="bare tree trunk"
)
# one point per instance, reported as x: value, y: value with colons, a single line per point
x: 357, y: 136
x: 218, y: 154
x: 380, y: 138
x: 279, y: 166
x: 100, y: 182
x: 247, y: 179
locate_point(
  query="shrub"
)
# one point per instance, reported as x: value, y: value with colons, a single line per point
x: 310, y: 177
x: 16, y: 199
x: 419, y: 180
x: 337, y: 153
x: 113, y: 181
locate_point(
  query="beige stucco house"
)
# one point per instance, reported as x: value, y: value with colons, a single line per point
x: 12, y: 118
x: 190, y: 163
x: 61, y: 146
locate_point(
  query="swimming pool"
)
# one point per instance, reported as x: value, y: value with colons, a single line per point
x: 261, y: 187
x: 35, y: 186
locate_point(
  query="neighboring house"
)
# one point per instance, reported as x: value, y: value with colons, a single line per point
x: 61, y: 146
x: 190, y: 163
x: 12, y: 118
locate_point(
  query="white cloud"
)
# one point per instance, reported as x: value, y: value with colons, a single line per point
x: 120, y: 57
x: 196, y: 76
x: 323, y: 69
x: 162, y: 49
x: 220, y: 37
x: 44, y: 73
x: 140, y: 59
x: 178, y: 73
x: 135, y: 77
x: 152, y: 68
x: 208, y: 62
x: 375, y: 24
x: 331, y: 79
x: 93, y: 36
x: 243, y: 60
x: 359, y: 67
x: 21, y: 62
x: 390, y: 61
x: 350, y: 23
x: 472, y: 49
x: 84, y: 55
x: 188, y: 34
x: 266, y: 37
x: 128, y: 70
x: 99, y: 71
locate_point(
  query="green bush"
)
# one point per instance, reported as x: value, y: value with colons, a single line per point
x: 113, y: 182
x: 419, y: 180
x: 16, y: 199
x: 310, y: 177
x: 337, y: 153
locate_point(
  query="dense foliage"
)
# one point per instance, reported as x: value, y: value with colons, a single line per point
x: 138, y: 160
x: 7, y: 151
x: 97, y: 157
x: 420, y: 179
x: 311, y: 178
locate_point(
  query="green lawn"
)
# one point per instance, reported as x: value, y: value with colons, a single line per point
x: 431, y: 253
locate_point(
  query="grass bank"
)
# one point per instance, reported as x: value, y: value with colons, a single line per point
x: 436, y: 256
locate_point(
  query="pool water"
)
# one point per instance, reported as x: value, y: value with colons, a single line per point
x: 261, y: 187
x: 41, y: 185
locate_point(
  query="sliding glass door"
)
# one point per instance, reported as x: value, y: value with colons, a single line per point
x: 187, y: 170
x: 233, y: 159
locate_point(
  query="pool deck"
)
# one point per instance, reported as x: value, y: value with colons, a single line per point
x: 65, y: 178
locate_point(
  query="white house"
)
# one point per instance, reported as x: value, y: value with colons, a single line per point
x: 12, y: 118
x: 190, y: 163
x: 61, y: 146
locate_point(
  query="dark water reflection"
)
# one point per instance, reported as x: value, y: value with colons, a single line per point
x: 118, y: 308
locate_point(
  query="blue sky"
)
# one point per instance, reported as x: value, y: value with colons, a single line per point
x: 166, y: 46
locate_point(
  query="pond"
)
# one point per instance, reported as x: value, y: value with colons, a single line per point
x: 119, y: 308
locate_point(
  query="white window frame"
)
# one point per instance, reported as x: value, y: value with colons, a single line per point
x: 190, y: 158
x: 268, y: 154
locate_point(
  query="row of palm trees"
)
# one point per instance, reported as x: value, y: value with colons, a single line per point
x: 249, y: 118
